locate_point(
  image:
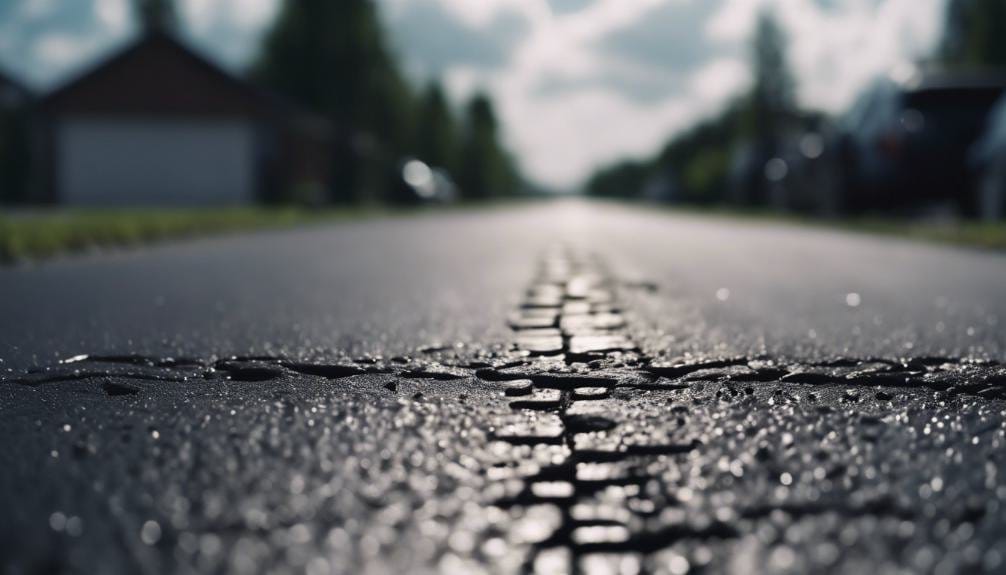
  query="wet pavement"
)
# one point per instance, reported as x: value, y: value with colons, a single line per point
x: 576, y: 402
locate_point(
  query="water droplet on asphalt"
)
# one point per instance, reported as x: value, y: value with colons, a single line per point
x: 57, y: 521
x: 74, y: 526
x: 150, y: 533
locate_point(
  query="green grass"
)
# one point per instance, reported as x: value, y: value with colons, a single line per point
x: 983, y: 235
x: 968, y: 233
x: 43, y: 234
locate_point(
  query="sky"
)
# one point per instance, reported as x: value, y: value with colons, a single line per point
x: 578, y: 84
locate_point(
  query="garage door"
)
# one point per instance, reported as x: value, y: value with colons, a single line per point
x: 105, y: 162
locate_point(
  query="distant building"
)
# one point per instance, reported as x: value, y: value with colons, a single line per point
x: 158, y: 124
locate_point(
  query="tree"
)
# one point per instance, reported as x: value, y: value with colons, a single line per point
x: 772, y: 101
x: 332, y: 58
x: 975, y: 35
x: 156, y: 15
x: 486, y: 170
x: 624, y: 180
x: 15, y: 148
x: 436, y: 138
x: 700, y: 158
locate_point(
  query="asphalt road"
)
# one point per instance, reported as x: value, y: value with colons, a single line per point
x: 552, y: 388
x: 388, y: 286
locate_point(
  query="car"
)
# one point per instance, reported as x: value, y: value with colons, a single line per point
x: 424, y: 183
x: 989, y: 160
x: 903, y: 146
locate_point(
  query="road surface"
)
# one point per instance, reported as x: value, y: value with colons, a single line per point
x: 556, y: 387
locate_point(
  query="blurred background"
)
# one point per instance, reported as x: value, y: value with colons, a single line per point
x: 819, y: 108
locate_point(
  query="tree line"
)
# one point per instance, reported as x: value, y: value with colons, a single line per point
x: 698, y: 161
x: 333, y: 58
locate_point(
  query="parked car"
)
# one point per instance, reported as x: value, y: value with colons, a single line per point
x: 423, y: 183
x: 989, y: 161
x: 904, y: 147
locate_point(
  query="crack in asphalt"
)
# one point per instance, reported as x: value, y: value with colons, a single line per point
x: 605, y: 440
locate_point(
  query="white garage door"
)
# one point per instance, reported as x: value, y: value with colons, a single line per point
x: 155, y: 162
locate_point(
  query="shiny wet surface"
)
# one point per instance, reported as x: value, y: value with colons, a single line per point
x: 389, y: 286
x: 606, y: 423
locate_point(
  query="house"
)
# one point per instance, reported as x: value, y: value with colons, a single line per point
x: 159, y: 125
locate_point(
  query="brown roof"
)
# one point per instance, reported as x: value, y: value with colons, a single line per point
x: 157, y: 75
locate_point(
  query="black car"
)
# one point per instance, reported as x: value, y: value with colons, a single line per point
x: 904, y: 147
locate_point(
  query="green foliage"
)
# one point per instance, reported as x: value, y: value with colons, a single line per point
x: 700, y: 157
x: 623, y: 180
x: 705, y: 175
x: 486, y: 169
x: 436, y: 134
x: 45, y: 233
x: 332, y: 57
x: 975, y: 35
x: 771, y: 103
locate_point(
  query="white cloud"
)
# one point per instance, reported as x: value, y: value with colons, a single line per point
x: 61, y: 50
x: 113, y: 14
x: 564, y: 137
x: 37, y: 8
x: 559, y: 138
x: 247, y: 14
x: 482, y: 12
x: 227, y: 29
x: 719, y: 80
x: 735, y: 21
x: 462, y: 81
x: 836, y: 48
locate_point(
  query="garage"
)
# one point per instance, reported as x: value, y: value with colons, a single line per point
x: 159, y: 125
x: 156, y: 162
